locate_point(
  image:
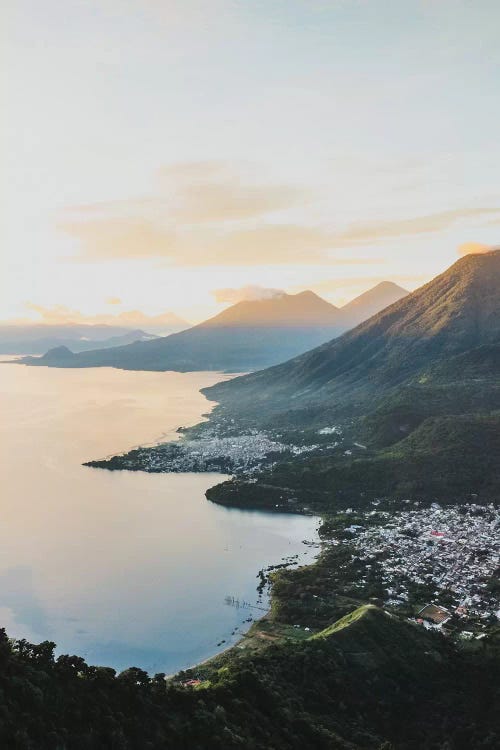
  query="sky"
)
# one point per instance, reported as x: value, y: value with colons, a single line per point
x: 176, y: 155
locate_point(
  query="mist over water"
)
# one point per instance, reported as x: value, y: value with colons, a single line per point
x: 122, y: 568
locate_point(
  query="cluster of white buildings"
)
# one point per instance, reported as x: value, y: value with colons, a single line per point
x: 241, y: 452
x: 452, y: 549
x: 238, y: 454
x: 334, y: 430
x: 211, y: 453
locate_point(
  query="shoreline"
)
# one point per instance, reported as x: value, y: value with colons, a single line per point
x: 226, y: 650
x: 264, y: 540
x: 266, y: 612
x: 265, y: 617
x: 181, y: 434
x: 175, y: 436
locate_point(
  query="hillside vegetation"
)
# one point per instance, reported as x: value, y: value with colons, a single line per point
x: 368, y: 681
x: 418, y: 384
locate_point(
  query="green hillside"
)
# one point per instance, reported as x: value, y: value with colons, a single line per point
x: 368, y: 681
x: 453, y: 314
x: 418, y: 385
x: 450, y: 459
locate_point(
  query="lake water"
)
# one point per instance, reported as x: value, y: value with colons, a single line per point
x: 122, y: 568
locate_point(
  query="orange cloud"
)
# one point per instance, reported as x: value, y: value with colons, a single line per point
x: 198, y: 193
x: 62, y: 315
x: 232, y: 201
x: 204, y: 214
x: 473, y: 248
x: 113, y: 301
x: 210, y: 191
x: 375, y: 231
x: 261, y: 244
x: 114, y: 238
x: 105, y: 239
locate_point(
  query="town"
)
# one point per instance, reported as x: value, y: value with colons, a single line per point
x: 435, y: 564
x: 449, y: 554
x: 209, y: 452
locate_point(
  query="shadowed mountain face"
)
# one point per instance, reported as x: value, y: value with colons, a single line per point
x: 453, y: 314
x: 416, y: 387
x: 247, y: 336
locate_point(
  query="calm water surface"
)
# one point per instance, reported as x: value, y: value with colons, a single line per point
x: 122, y: 568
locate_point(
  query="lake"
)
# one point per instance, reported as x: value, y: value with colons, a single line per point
x: 122, y: 568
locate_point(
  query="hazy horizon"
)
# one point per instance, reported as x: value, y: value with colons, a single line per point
x: 59, y: 316
x: 163, y: 156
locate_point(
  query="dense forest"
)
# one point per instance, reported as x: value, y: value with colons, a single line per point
x: 369, y: 681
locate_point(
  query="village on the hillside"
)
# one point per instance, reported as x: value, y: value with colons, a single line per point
x: 453, y: 552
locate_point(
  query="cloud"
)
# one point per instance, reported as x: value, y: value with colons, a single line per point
x: 113, y: 301
x: 62, y: 315
x: 244, y: 293
x: 55, y: 315
x: 205, y: 214
x: 473, y: 248
x: 105, y: 239
x: 370, y: 232
x: 139, y: 319
x: 232, y: 201
x: 261, y: 244
x: 201, y: 192
x: 128, y: 239
x: 270, y: 244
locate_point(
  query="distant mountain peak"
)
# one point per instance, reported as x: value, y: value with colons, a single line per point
x: 388, y: 285
x: 60, y: 350
x: 382, y: 287
x: 372, y: 301
x: 456, y: 312
x: 58, y: 353
x: 307, y: 294
x: 303, y: 309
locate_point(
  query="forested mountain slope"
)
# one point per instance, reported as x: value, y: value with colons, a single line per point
x: 368, y: 681
x: 417, y: 386
x: 455, y: 315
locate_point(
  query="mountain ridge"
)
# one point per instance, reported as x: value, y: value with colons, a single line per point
x: 456, y: 311
x: 287, y: 310
x: 416, y: 387
x: 372, y: 301
x: 247, y: 336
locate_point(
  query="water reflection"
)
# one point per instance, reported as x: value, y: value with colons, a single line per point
x: 120, y: 567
